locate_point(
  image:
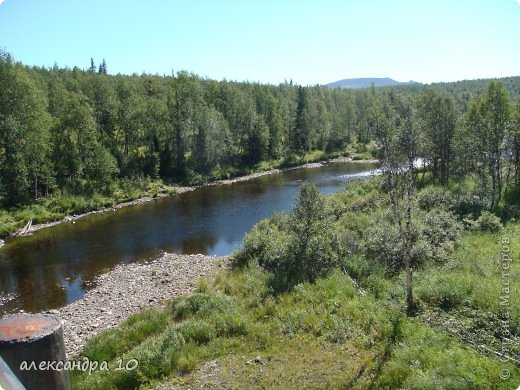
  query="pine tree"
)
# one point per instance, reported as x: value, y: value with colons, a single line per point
x: 92, y: 68
x: 103, y: 67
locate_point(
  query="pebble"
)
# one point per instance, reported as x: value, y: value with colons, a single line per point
x: 129, y: 288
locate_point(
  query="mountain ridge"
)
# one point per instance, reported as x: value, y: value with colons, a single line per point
x: 366, y: 82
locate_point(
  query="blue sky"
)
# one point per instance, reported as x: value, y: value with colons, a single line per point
x: 271, y: 40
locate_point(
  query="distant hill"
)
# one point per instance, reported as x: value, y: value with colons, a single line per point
x: 469, y: 87
x: 367, y: 83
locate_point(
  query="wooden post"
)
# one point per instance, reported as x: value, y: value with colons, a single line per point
x: 32, y: 345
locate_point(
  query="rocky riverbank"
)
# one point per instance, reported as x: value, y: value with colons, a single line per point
x: 129, y: 288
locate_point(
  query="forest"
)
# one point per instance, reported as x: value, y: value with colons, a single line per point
x: 323, y: 284
x: 84, y: 134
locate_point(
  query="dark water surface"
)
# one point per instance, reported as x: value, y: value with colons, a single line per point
x: 54, y: 266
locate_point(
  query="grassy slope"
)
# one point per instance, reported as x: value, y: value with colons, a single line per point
x: 322, y: 335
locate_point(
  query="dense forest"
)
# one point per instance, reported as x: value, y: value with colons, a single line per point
x: 67, y: 132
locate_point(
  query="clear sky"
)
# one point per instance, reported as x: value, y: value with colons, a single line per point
x: 271, y: 40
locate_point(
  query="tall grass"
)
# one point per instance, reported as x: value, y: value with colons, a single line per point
x: 294, y: 338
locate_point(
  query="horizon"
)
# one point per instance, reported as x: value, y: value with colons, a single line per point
x: 270, y: 43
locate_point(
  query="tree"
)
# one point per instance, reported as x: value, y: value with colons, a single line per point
x: 298, y: 134
x: 14, y: 182
x: 487, y: 123
x: 183, y: 101
x: 514, y: 144
x: 258, y: 141
x: 211, y: 139
x: 437, y: 116
x: 396, y: 133
x: 313, y: 248
x: 92, y: 68
x: 24, y: 125
x: 103, y: 68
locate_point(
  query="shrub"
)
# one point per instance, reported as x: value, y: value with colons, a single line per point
x: 433, y: 238
x: 440, y: 232
x: 489, y: 222
x: 383, y: 243
x: 441, y: 226
x: 296, y: 248
x: 512, y: 195
x: 434, y: 197
x: 265, y: 243
x: 313, y: 247
x: 469, y: 205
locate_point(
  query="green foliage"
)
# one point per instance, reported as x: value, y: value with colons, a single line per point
x: 434, y: 238
x: 183, y: 308
x: 382, y: 242
x: 489, y: 222
x: 429, y: 359
x: 447, y: 291
x: 265, y: 243
x: 512, y: 195
x: 433, y: 197
x: 469, y: 205
x: 439, y: 233
x: 300, y: 248
x: 472, y: 278
x: 301, y: 338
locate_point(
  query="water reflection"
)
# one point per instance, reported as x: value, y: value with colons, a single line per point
x: 54, y: 266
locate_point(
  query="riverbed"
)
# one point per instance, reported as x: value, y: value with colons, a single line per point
x: 57, y: 266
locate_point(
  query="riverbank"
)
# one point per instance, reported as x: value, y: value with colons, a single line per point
x: 130, y: 288
x: 175, y: 190
x: 348, y: 327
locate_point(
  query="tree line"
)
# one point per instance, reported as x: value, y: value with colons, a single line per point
x: 73, y: 131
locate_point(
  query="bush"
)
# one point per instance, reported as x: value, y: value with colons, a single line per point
x: 296, y: 248
x: 266, y: 243
x: 383, y: 243
x: 440, y: 232
x: 469, y: 205
x: 489, y: 222
x: 440, y: 227
x: 433, y: 238
x: 512, y: 195
x: 313, y: 247
x: 434, y: 197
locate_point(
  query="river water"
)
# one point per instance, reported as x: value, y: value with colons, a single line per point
x: 55, y: 266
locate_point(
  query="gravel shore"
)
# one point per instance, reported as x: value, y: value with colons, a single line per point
x: 130, y: 288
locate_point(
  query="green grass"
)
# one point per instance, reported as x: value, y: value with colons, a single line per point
x: 473, y: 277
x: 286, y: 162
x: 319, y: 335
x: 56, y: 207
x: 362, y: 156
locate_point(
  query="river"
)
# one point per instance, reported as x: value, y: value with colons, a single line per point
x: 55, y: 266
